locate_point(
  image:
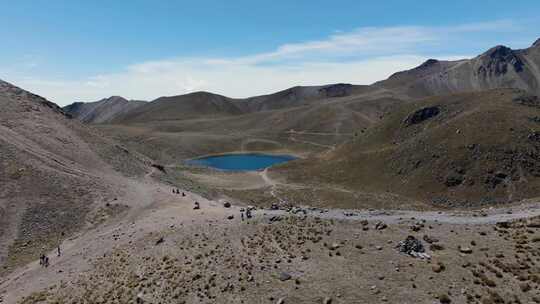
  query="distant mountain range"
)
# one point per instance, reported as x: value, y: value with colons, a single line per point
x: 499, y: 67
x: 448, y: 132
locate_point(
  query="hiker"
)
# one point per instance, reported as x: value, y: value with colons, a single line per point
x: 42, y: 259
x: 248, y: 213
x: 242, y: 216
x: 183, y: 194
x: 197, y: 206
x: 45, y: 261
x: 58, y: 249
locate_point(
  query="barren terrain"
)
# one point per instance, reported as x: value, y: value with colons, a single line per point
x: 423, y: 188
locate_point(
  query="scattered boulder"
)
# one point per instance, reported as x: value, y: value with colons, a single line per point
x: 417, y: 226
x: 196, y: 206
x: 159, y: 167
x: 413, y: 247
x: 438, y: 267
x: 429, y: 239
x: 444, y: 299
x: 465, y: 249
x: 284, y: 276
x: 380, y: 226
x: 334, y: 246
x: 436, y: 247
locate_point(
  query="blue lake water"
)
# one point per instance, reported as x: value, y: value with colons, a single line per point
x: 241, y: 162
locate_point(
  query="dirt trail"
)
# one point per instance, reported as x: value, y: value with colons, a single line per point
x: 484, y: 216
x: 292, y: 138
x: 272, y: 184
x: 153, y: 209
x: 489, y: 216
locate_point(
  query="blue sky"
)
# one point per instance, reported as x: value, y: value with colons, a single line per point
x: 86, y: 50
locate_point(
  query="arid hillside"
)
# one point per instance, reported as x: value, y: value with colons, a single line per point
x: 54, y: 172
x: 458, y: 150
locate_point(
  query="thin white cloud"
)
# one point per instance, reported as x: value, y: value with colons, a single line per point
x: 361, y: 56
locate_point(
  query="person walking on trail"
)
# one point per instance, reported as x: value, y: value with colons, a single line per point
x: 44, y: 261
x: 58, y: 250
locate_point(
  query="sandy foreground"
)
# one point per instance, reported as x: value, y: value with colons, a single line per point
x: 163, y: 251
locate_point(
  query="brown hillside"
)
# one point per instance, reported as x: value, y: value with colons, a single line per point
x: 456, y: 150
x: 53, y: 171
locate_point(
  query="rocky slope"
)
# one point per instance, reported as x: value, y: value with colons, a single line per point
x: 499, y: 67
x: 53, y: 171
x: 102, y: 111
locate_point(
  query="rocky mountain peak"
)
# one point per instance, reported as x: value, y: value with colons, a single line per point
x: 497, y: 60
x: 499, y: 51
x: 429, y: 63
x: 536, y: 43
x: 115, y: 98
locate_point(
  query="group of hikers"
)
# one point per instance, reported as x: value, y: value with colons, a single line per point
x: 177, y: 191
x: 197, y: 206
x: 247, y: 211
x: 44, y: 259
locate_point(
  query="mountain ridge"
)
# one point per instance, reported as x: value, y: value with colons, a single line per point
x: 497, y: 67
x: 101, y: 111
